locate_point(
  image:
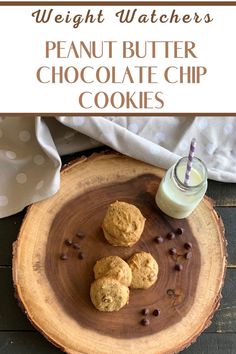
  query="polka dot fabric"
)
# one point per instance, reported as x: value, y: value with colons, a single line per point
x: 29, y: 171
x: 30, y: 148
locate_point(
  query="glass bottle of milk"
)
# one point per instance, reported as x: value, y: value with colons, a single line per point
x: 177, y: 199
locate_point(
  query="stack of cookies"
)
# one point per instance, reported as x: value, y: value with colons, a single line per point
x: 122, y: 226
x: 110, y: 292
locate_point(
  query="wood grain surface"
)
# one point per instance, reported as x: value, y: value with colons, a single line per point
x: 51, y: 289
x: 172, y: 294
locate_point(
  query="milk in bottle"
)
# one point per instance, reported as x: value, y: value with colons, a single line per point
x: 177, y: 199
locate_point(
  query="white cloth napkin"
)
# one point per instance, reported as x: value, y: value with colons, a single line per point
x: 30, y: 148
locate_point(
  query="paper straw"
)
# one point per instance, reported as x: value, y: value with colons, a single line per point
x: 190, y: 161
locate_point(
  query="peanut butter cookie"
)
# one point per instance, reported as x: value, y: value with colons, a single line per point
x: 108, y: 294
x: 113, y: 267
x: 144, y: 270
x: 123, y: 224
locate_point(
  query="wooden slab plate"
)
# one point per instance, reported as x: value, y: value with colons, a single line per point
x: 55, y: 293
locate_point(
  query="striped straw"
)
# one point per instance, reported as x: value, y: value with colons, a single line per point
x: 190, y: 161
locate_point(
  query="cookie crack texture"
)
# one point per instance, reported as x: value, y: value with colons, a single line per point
x: 108, y: 294
x: 144, y: 270
x: 123, y: 224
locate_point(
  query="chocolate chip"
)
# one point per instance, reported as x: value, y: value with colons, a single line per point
x: 156, y: 312
x: 158, y: 239
x: 170, y: 235
x: 172, y: 251
x: 145, y: 311
x: 170, y: 292
x: 63, y: 257
x: 68, y: 242
x: 76, y: 246
x: 188, y: 245
x: 180, y: 231
x: 81, y: 255
x: 188, y: 255
x: 178, y: 267
x: 145, y: 322
x: 80, y: 235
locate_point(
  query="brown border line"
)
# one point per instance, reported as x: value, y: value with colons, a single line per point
x: 118, y: 3
x: 127, y: 114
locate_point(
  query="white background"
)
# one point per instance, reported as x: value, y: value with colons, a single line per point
x: 23, y: 51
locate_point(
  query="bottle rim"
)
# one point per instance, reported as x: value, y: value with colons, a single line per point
x: 196, y: 186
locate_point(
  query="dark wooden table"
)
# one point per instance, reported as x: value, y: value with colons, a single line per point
x: 17, y: 336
